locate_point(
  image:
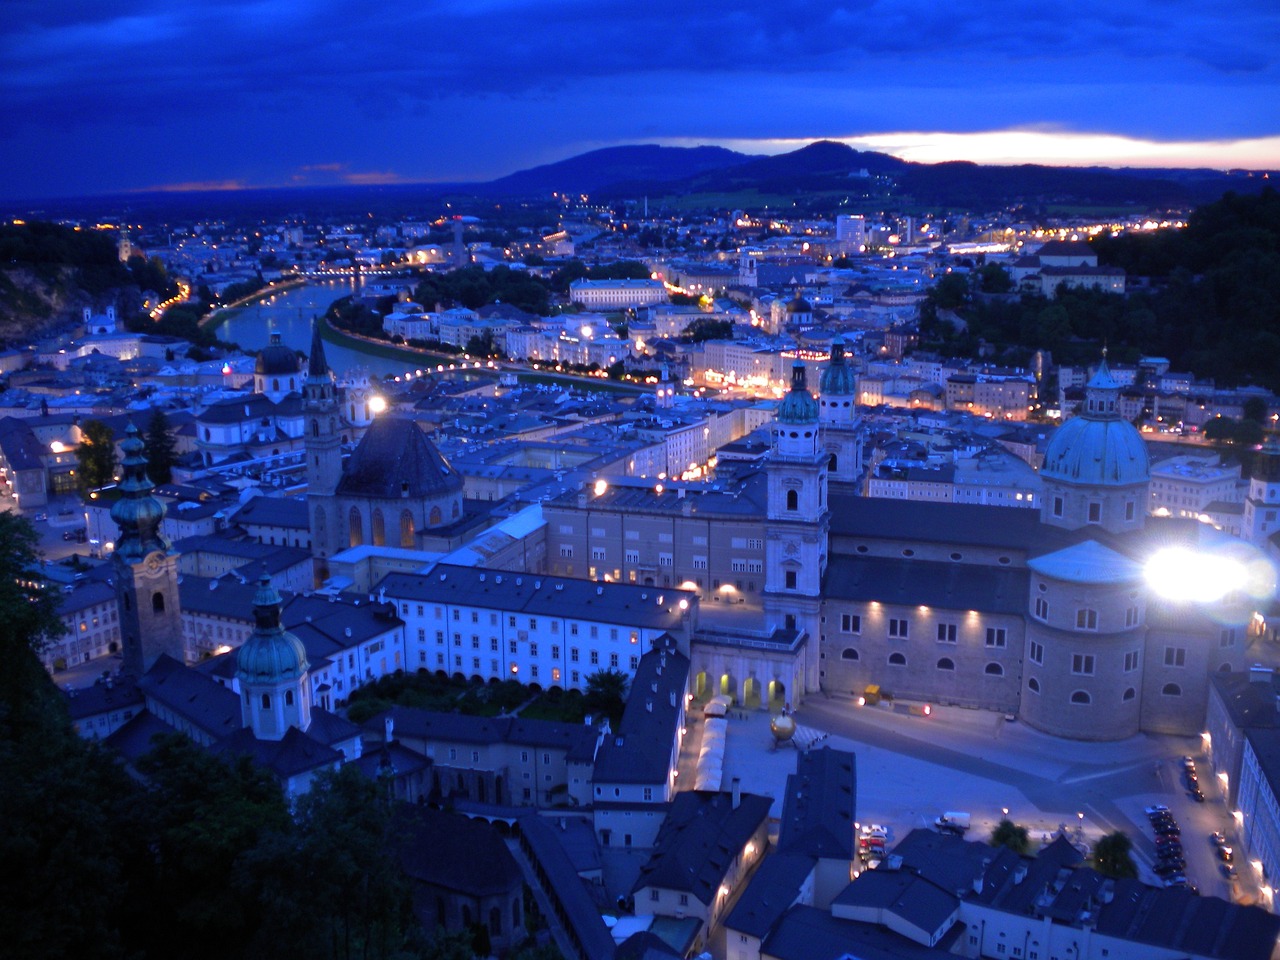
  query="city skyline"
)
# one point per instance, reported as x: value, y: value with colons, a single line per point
x: 299, y: 93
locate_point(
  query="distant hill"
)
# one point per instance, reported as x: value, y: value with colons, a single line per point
x: 588, y: 172
x: 826, y: 166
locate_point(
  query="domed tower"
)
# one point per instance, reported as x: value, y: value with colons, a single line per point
x: 841, y: 427
x: 796, y: 527
x: 799, y: 312
x: 276, y: 371
x: 323, y: 445
x: 1262, y: 505
x: 146, y: 569
x: 1096, y: 470
x: 1083, y: 666
x: 275, y: 692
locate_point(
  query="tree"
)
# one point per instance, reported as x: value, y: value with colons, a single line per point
x: 96, y: 456
x: 159, y: 448
x: 1011, y: 835
x: 994, y: 278
x: 1111, y: 856
x: 607, y: 693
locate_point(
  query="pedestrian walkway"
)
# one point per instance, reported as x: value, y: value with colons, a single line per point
x: 563, y: 942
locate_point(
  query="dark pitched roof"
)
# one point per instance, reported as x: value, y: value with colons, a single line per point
x: 136, y: 738
x: 1013, y: 528
x: 394, y: 459
x: 702, y: 835
x: 903, y: 893
x: 431, y: 725
x: 819, y: 807
x: 199, y: 699
x: 289, y: 512
x: 563, y: 882
x: 293, y: 754
x: 640, y: 750
x: 772, y: 891
x: 455, y: 852
x: 101, y: 697
x: 948, y: 586
x: 1249, y: 697
x: 807, y: 933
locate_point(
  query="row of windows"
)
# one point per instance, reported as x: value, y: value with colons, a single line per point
x: 992, y: 669
x: 900, y: 629
x: 1094, y: 510
x: 1083, y: 696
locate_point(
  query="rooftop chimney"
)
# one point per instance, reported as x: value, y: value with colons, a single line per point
x: 736, y: 788
x: 389, y: 726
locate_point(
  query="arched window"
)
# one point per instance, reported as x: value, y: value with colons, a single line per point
x: 275, y: 383
x: 319, y: 529
x: 1129, y: 694
x: 897, y: 659
x: 1080, y: 696
x: 994, y: 670
x: 946, y: 663
x: 288, y: 698
x: 1033, y: 685
x: 848, y: 653
x: 379, y: 528
x: 356, y: 528
x: 495, y: 920
x: 831, y: 464
x: 1172, y: 690
x: 266, y: 701
x: 793, y: 500
x: 157, y: 602
x: 315, y: 428
x: 406, y: 528
x: 435, y: 517
x: 1225, y: 668
x: 456, y: 508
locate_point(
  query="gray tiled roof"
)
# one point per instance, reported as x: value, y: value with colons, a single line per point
x: 640, y: 750
x: 947, y: 586
x: 1013, y: 528
x: 818, y: 809
x: 293, y: 754
x: 394, y: 458
x: 807, y: 933
x: 772, y: 891
x: 701, y: 837
x: 455, y: 852
x: 288, y: 512
x: 461, y: 728
x: 190, y: 694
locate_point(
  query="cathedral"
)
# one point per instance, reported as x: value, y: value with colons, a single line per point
x: 807, y: 586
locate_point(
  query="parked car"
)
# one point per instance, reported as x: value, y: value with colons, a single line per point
x: 1228, y: 871
x: 1189, y: 763
x: 1155, y: 808
x: 1218, y: 838
x: 40, y: 518
x: 1225, y: 854
x: 1196, y: 795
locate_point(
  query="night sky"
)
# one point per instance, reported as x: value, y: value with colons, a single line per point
x: 101, y: 96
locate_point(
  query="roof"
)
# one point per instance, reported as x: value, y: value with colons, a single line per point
x: 136, y: 738
x: 197, y: 698
x: 580, y: 911
x: 288, y: 512
x: 653, y: 608
x: 818, y: 808
x: 431, y: 725
x: 911, y: 582
x: 703, y: 835
x: 455, y: 852
x: 640, y: 751
x: 395, y: 459
x: 772, y: 890
x: 103, y: 696
x: 807, y: 933
x: 1088, y: 562
x: 276, y: 359
x: 902, y: 893
x: 292, y: 755
x: 1013, y: 528
x: 1249, y: 697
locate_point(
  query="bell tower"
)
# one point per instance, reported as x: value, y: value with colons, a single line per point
x: 323, y: 446
x: 841, y: 425
x: 146, y: 568
x: 272, y: 669
x: 797, y: 522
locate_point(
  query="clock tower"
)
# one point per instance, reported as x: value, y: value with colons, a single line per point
x: 145, y: 568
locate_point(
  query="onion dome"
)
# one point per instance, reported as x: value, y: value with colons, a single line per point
x: 137, y: 513
x: 271, y: 654
x: 798, y: 406
x: 276, y: 360
x: 1098, y: 447
x: 837, y: 380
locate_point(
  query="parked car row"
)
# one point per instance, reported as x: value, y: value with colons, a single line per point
x: 1193, y: 782
x: 871, y: 843
x: 1170, y: 862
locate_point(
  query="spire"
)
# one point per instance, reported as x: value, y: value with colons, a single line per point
x: 317, y: 366
x: 137, y: 513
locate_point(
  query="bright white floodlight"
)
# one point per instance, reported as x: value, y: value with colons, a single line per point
x: 1177, y: 573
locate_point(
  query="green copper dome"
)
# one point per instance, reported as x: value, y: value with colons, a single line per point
x: 837, y: 380
x: 1098, y: 447
x: 798, y: 406
x: 137, y: 513
x: 271, y: 654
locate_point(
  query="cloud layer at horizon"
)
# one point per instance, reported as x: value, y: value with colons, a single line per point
x: 101, y: 97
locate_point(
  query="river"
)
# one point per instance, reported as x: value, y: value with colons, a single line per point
x: 290, y: 314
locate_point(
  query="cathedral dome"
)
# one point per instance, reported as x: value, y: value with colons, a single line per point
x: 1098, y: 447
x: 271, y: 654
x: 276, y: 360
x: 799, y: 305
x: 837, y: 380
x: 798, y: 406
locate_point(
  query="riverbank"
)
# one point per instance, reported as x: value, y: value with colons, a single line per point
x: 226, y: 312
x: 390, y: 351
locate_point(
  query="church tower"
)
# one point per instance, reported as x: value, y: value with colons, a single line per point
x: 323, y: 445
x: 797, y: 522
x: 146, y: 569
x: 840, y: 424
x: 271, y: 666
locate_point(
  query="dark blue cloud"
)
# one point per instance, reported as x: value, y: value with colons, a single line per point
x: 106, y: 95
